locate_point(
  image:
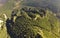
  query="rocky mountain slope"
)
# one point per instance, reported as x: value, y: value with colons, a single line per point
x: 29, y: 22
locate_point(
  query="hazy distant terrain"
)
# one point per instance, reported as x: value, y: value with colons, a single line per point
x: 51, y: 4
x: 2, y: 2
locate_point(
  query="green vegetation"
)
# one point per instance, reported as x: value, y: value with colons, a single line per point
x: 42, y: 27
x: 29, y: 22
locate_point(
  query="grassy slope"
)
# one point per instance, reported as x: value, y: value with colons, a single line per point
x: 43, y: 23
x: 49, y: 26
